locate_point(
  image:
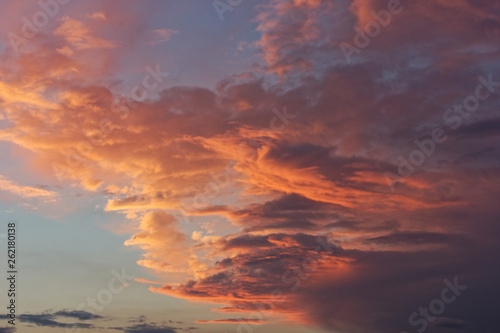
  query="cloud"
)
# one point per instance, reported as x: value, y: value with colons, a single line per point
x: 78, y: 314
x: 250, y: 277
x: 80, y: 37
x: 288, y: 163
x: 136, y: 325
x: 233, y: 321
x: 146, y: 328
x: 167, y: 249
x: 415, y: 238
x: 140, y: 280
x: 97, y: 16
x: 7, y: 329
x: 47, y: 320
x: 139, y: 325
x: 161, y: 35
x: 26, y: 191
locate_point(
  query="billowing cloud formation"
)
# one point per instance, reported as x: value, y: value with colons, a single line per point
x: 357, y: 183
x: 167, y: 248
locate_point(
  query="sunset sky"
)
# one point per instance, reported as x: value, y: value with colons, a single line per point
x: 247, y: 166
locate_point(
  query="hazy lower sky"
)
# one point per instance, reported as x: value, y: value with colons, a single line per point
x: 249, y: 166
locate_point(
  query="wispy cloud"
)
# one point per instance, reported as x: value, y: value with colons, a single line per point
x: 97, y: 16
x: 160, y: 36
x: 10, y: 186
x: 80, y: 37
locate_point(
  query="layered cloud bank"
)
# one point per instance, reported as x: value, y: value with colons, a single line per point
x: 338, y: 183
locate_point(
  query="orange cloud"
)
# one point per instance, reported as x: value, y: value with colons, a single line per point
x: 80, y: 37
x: 10, y: 186
x: 276, y: 183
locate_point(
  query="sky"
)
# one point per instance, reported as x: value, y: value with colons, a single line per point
x: 249, y: 166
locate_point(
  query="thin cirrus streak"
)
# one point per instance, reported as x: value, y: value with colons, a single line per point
x: 291, y: 216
